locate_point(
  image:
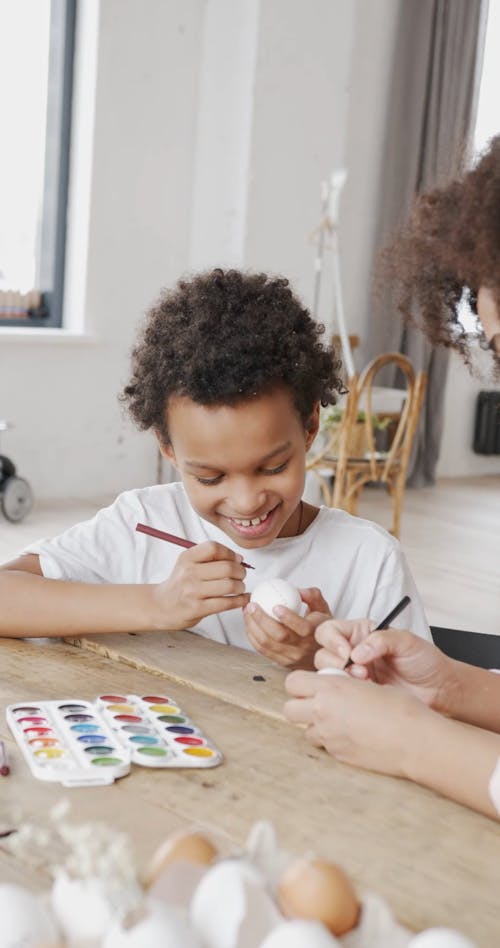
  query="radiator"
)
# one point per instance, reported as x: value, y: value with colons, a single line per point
x: 487, y: 423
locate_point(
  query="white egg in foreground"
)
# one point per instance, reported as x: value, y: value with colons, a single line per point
x: 299, y: 934
x: 24, y: 919
x: 277, y: 592
x: 81, y: 907
x: 232, y: 907
x: 441, y: 938
x: 162, y: 926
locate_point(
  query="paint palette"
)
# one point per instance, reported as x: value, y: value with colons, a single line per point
x: 91, y: 743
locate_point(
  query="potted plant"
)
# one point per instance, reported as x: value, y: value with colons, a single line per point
x: 331, y: 426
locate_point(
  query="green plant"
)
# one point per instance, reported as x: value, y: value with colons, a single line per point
x: 332, y: 416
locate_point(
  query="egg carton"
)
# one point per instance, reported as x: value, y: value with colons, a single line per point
x: 190, y: 901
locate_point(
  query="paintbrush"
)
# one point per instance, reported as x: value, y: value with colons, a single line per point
x: 171, y: 538
x: 387, y: 621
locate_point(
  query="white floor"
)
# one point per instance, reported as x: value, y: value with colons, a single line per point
x: 450, y: 534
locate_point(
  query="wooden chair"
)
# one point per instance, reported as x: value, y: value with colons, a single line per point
x: 352, y: 465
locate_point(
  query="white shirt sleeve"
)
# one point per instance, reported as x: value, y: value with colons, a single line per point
x: 394, y: 582
x: 100, y: 550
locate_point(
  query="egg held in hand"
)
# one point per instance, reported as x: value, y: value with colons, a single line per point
x: 319, y: 890
x: 277, y: 592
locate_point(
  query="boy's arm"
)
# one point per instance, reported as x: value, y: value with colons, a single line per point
x: 205, y: 580
x: 35, y: 606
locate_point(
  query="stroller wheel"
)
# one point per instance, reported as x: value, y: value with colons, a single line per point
x: 7, y: 468
x: 16, y: 498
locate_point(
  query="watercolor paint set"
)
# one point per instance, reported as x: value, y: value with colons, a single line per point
x: 92, y: 743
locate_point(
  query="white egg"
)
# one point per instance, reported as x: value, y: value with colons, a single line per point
x: 232, y: 907
x: 441, y: 938
x: 377, y: 926
x: 80, y: 907
x: 297, y: 934
x: 24, y: 919
x: 333, y: 671
x: 277, y: 592
x: 161, y: 926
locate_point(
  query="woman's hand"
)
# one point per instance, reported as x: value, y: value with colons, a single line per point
x: 287, y: 639
x: 390, y: 656
x: 206, y: 579
x: 359, y: 722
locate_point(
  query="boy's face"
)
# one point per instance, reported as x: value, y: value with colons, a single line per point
x: 243, y: 466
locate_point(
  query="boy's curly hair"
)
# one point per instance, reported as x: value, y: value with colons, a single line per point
x: 222, y: 337
x: 449, y: 248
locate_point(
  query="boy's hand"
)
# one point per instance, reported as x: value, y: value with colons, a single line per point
x: 287, y: 639
x: 206, y: 579
x: 389, y: 656
x: 359, y: 722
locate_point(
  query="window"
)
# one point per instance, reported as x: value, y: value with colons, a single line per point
x: 36, y: 68
x: 487, y: 118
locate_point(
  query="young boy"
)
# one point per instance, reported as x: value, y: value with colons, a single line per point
x: 229, y: 373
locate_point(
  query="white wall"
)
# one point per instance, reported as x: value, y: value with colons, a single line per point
x: 299, y: 130
x: 61, y: 394
x: 457, y: 458
x: 204, y: 135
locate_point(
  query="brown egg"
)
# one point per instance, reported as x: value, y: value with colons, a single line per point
x: 182, y: 847
x: 319, y: 890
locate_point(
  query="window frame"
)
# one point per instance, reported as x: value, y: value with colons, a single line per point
x: 52, y: 245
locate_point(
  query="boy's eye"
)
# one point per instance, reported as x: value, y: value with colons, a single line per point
x: 210, y: 480
x: 275, y: 470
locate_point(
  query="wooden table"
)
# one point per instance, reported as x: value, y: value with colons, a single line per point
x: 435, y: 862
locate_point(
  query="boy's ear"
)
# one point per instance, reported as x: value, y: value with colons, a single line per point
x: 166, y: 450
x: 312, y: 426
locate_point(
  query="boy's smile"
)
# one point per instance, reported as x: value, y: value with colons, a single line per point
x: 243, y: 465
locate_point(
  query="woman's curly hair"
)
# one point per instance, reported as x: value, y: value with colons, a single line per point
x: 222, y: 337
x: 448, y: 249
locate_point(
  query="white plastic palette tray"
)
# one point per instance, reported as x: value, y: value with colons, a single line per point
x: 92, y: 743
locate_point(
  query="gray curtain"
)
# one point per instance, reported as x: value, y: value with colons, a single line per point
x: 433, y: 93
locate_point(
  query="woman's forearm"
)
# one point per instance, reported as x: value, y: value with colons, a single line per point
x: 454, y: 759
x: 471, y: 695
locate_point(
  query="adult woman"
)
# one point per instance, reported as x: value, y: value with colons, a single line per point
x: 419, y: 725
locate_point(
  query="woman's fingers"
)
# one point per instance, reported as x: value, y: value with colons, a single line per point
x: 387, y: 642
x: 301, y: 684
x: 333, y: 658
x: 353, y: 631
x: 300, y: 710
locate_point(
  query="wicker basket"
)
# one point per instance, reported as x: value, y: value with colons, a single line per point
x: 358, y: 446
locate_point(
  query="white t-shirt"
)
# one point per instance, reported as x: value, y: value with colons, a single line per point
x: 357, y: 565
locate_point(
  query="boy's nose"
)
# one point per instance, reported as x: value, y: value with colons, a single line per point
x: 247, y: 502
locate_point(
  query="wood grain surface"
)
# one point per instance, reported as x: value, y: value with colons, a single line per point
x: 435, y: 862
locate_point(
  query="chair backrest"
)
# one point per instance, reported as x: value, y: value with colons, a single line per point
x: 360, y: 397
x: 475, y: 648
